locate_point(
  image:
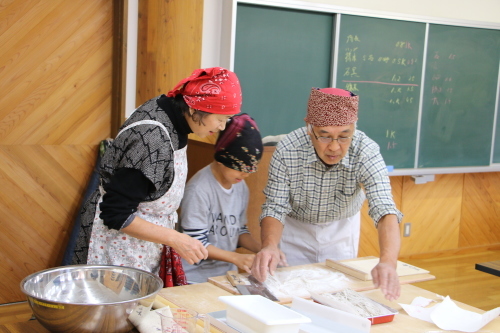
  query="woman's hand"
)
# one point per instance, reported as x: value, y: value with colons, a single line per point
x: 190, y: 249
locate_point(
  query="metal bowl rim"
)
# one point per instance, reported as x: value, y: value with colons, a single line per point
x: 23, y: 282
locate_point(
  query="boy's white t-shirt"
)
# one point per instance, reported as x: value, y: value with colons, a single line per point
x: 206, y: 205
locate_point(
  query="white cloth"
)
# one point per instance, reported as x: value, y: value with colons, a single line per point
x: 305, y: 243
x: 147, y: 321
x: 113, y: 247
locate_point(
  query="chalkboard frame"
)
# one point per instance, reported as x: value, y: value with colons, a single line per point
x: 224, y: 55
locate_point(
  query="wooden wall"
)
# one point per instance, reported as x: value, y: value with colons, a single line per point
x: 169, y: 44
x: 55, y: 79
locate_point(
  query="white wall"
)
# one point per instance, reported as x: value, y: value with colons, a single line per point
x: 219, y: 23
x: 477, y: 10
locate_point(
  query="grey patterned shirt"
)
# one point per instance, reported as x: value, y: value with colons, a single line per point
x: 302, y: 187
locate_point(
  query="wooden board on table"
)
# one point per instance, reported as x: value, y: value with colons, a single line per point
x: 361, y: 267
x: 201, y: 297
x: 181, y: 297
x: 354, y: 283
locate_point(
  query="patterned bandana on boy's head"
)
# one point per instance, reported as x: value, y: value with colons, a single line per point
x: 214, y: 90
x: 332, y: 107
x: 239, y: 146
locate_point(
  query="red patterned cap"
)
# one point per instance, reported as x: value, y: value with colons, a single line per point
x: 332, y: 107
x: 214, y: 90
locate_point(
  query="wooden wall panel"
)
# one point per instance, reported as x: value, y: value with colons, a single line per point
x: 169, y: 44
x: 55, y: 78
x: 38, y: 202
x: 55, y: 66
x: 434, y: 211
x: 480, y: 210
x: 256, y: 183
x: 368, y: 241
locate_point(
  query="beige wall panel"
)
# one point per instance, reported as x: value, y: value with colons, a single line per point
x: 55, y: 78
x: 256, y: 183
x: 480, y: 210
x: 199, y: 155
x: 368, y: 241
x: 433, y: 209
x: 169, y: 44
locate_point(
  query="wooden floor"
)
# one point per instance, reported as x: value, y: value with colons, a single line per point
x: 455, y: 276
x: 14, y: 313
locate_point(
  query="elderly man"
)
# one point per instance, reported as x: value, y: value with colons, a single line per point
x: 315, y: 192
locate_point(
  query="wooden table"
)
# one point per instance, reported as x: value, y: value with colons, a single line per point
x: 492, y: 267
x: 203, y: 297
x: 192, y: 296
x: 32, y: 326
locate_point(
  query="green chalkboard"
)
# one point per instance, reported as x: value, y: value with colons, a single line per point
x: 428, y: 92
x: 280, y: 54
x: 496, y: 145
x: 461, y: 80
x: 381, y: 61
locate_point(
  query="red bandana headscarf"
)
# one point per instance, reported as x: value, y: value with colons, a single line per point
x: 214, y: 90
x: 332, y: 107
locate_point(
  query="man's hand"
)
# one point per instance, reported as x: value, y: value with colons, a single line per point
x: 283, y: 262
x: 266, y: 261
x: 384, y: 274
x: 385, y: 277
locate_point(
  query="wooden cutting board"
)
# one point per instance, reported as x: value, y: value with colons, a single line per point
x: 353, y: 283
x: 201, y: 297
x: 361, y: 267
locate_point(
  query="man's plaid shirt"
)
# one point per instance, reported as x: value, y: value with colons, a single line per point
x: 301, y: 186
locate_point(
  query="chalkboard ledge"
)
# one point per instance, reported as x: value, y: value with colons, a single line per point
x: 448, y: 170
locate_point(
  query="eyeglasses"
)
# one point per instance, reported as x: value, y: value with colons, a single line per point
x: 343, y: 140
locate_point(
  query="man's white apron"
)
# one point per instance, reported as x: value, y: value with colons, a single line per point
x: 305, y: 243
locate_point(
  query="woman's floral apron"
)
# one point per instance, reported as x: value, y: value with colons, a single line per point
x: 113, y: 247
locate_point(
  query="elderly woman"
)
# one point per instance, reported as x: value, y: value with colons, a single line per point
x: 129, y: 220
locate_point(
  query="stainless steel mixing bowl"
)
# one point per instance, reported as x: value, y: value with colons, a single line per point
x: 89, y: 298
